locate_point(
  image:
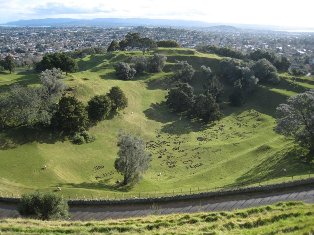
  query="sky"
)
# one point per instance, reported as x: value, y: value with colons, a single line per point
x: 287, y: 13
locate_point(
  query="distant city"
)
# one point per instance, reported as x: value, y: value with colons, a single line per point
x: 29, y: 43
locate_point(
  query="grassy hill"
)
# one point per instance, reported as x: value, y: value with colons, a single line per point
x: 242, y: 148
x: 282, y: 218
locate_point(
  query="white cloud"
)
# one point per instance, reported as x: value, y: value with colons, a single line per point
x: 266, y: 12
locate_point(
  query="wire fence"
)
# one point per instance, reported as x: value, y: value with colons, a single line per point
x: 175, y: 192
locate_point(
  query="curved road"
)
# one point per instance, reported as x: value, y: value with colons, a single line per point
x: 100, y: 212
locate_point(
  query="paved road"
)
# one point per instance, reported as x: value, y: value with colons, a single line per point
x: 101, y: 212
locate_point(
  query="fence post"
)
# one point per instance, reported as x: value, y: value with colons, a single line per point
x: 190, y: 191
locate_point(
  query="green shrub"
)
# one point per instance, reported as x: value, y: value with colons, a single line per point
x: 44, y: 206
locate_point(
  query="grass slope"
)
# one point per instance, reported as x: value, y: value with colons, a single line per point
x: 242, y: 148
x: 282, y: 218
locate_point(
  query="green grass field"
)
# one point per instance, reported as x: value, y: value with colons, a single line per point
x: 282, y: 218
x: 241, y: 149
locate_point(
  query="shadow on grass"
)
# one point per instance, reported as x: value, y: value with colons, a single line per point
x: 94, y: 61
x: 12, y: 138
x: 27, y: 78
x: 174, y: 124
x: 101, y: 185
x: 286, y: 163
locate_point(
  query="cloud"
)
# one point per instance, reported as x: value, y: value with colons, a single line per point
x: 266, y: 12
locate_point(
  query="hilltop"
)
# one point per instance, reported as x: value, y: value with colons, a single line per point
x: 240, y: 149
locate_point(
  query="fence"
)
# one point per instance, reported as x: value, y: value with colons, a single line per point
x: 179, y: 193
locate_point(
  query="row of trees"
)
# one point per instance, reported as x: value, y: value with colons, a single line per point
x: 281, y: 63
x: 138, y: 65
x: 47, y: 106
x: 135, y: 41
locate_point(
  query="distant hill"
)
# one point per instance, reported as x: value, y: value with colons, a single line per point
x: 108, y: 22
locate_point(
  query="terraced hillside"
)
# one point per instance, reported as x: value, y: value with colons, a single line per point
x: 240, y: 149
x: 282, y: 218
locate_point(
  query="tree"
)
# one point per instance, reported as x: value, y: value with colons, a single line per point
x: 282, y: 64
x: 43, y: 206
x: 30, y: 106
x: 206, y: 108
x: 265, y: 71
x: 213, y: 86
x: 59, y: 61
x: 296, y: 119
x: 139, y: 64
x: 156, y: 63
x: 20, y: 107
x: 118, y: 99
x: 133, y: 39
x: 114, y: 46
x: 147, y: 44
x: 124, y: 71
x: 99, y: 107
x: 9, y: 63
x: 53, y: 86
x: 184, y: 72
x: 69, y: 65
x: 262, y: 54
x: 181, y: 98
x: 133, y: 159
x: 71, y: 115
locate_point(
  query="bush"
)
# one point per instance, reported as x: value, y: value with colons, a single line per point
x: 139, y: 63
x: 184, y: 72
x: 124, y: 71
x: 44, y: 206
x: 71, y: 115
x: 265, y: 71
x: 156, y: 63
x: 82, y: 138
x: 118, y: 99
x: 99, y: 107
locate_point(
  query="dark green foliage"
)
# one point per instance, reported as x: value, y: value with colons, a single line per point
x: 9, y: 63
x: 139, y: 63
x: 222, y: 51
x: 43, y: 206
x: 295, y: 119
x: 230, y: 69
x: 124, y: 71
x: 181, y: 98
x: 114, y: 46
x: 30, y: 106
x: 118, y: 99
x: 147, y: 44
x: 282, y: 64
x: 237, y: 97
x: 265, y: 71
x: 71, y: 115
x: 156, y: 63
x: 262, y: 54
x: 57, y: 60
x: 82, y: 138
x: 297, y: 71
x: 214, y: 86
x: 99, y: 107
x: 183, y: 72
x: 168, y: 44
x: 206, y: 108
x: 133, y: 159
